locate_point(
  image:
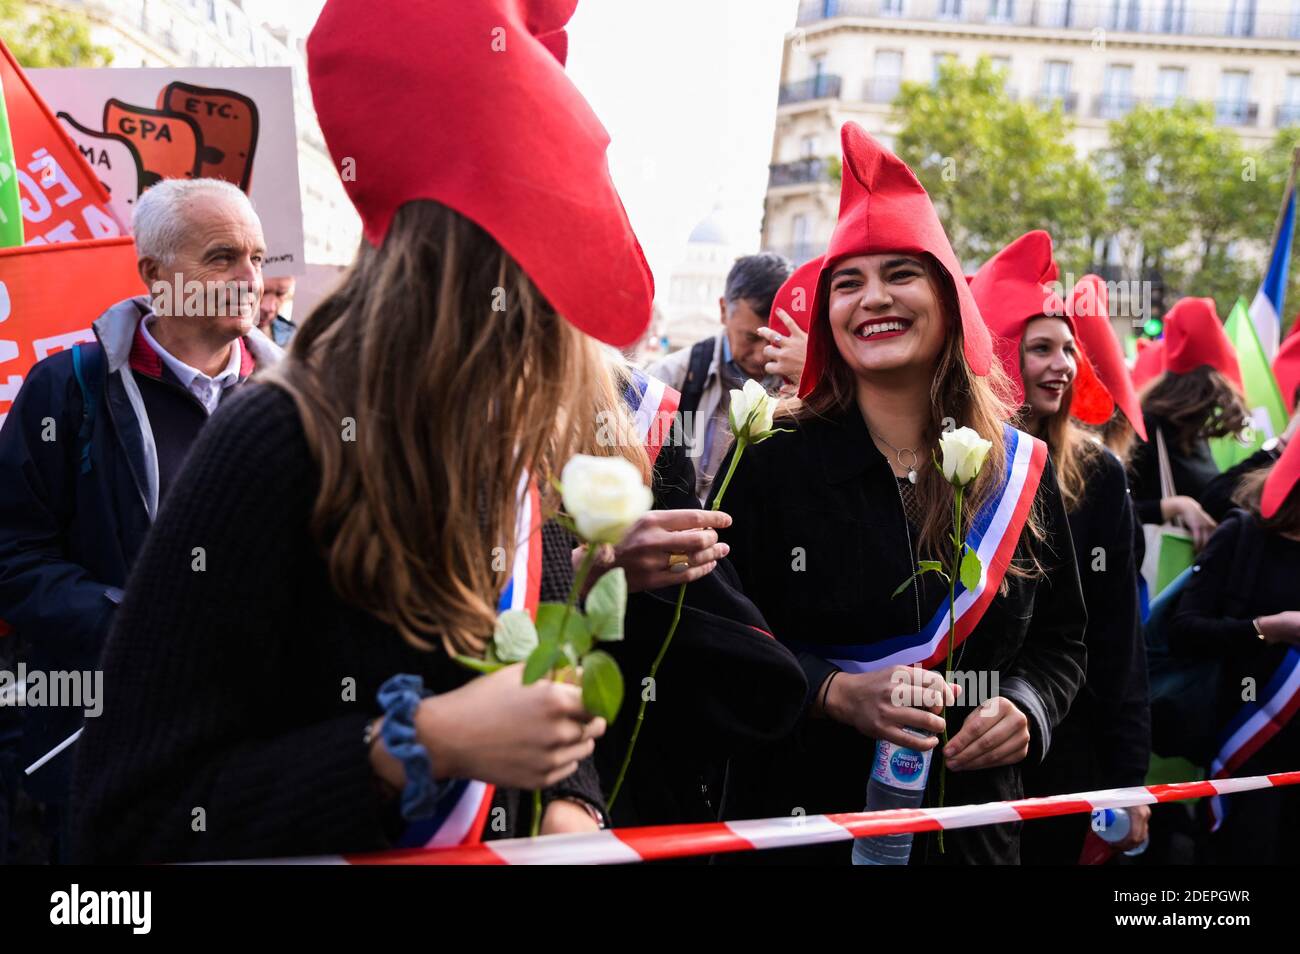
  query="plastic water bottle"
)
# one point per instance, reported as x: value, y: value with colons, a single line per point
x: 898, y: 777
x: 1112, y: 826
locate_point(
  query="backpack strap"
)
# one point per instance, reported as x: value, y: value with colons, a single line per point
x: 697, y: 373
x: 86, y: 364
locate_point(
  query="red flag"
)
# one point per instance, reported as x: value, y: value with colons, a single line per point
x: 61, y: 197
x: 50, y: 294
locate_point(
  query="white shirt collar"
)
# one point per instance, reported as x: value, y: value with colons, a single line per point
x: 207, y: 390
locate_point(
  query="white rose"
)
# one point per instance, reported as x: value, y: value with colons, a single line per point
x: 751, y: 412
x: 604, y: 495
x: 963, y: 452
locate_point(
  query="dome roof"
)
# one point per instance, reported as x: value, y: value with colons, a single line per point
x: 710, y: 231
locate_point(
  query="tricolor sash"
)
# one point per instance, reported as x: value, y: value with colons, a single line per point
x: 1255, y: 724
x: 653, y: 405
x: 463, y: 809
x: 993, y: 535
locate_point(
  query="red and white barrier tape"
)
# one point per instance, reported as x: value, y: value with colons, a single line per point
x: 627, y: 845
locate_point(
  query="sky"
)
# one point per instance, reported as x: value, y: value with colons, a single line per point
x: 687, y: 90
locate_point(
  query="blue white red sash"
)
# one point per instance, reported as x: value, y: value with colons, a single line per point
x: 653, y: 405
x: 993, y: 535
x: 462, y: 811
x: 1255, y: 724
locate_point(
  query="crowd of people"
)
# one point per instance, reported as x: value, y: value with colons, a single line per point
x: 276, y: 538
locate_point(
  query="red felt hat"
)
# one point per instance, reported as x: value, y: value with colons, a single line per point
x: 884, y: 209
x: 468, y: 104
x: 1286, y: 369
x: 1194, y: 337
x: 1150, y: 362
x: 795, y: 297
x: 1090, y: 305
x: 1281, y: 480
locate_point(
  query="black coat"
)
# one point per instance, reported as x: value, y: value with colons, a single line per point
x: 725, y: 685
x: 820, y: 543
x: 1105, y: 740
x: 245, y: 689
x: 1192, y: 471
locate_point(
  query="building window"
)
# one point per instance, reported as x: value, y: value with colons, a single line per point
x: 1288, y: 114
x: 891, y: 8
x: 1117, y: 92
x: 808, y: 147
x: 1172, y: 16
x: 888, y: 76
x: 1056, y: 79
x: 1002, y: 11
x: 800, y: 249
x: 1171, y: 81
x: 1234, y: 89
x: 950, y: 9
x: 1054, y: 13
x: 1241, y: 17
x: 1124, y: 15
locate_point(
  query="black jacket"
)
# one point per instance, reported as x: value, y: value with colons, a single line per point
x: 1192, y: 472
x: 1105, y: 740
x: 71, y: 526
x: 244, y: 689
x: 820, y: 543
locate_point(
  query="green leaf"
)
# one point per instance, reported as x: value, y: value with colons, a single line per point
x: 602, y: 685
x: 483, y: 666
x: 931, y: 566
x: 576, y: 633
x: 758, y: 439
x: 904, y: 585
x: 514, y: 637
x: 970, y: 569
x: 607, y: 605
x: 541, y: 662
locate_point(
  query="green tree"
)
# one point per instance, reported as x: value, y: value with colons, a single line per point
x: 1188, y: 200
x: 40, y: 36
x: 996, y: 167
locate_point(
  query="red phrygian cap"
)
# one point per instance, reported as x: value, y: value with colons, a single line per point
x: 1194, y: 337
x: 468, y: 104
x: 1286, y: 368
x: 884, y: 209
x: 1014, y: 287
x: 1150, y: 362
x: 1282, y: 479
x: 1089, y: 304
x: 795, y: 297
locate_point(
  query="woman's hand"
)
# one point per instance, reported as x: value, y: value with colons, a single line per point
x: 1281, y: 627
x: 1190, y: 514
x: 496, y: 729
x: 564, y: 816
x: 879, y: 704
x: 995, y: 733
x: 645, y: 550
x: 1138, y: 816
x: 785, y: 354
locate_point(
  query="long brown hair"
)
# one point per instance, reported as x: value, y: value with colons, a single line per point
x: 428, y: 382
x: 956, y: 393
x: 1248, y: 494
x: 1197, y: 405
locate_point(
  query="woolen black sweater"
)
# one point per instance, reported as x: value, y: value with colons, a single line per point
x: 237, y: 684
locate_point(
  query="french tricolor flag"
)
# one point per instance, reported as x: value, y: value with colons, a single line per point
x: 1266, y: 309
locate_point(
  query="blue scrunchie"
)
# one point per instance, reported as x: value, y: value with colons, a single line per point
x: 399, y: 697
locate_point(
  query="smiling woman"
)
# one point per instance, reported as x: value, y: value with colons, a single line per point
x: 898, y: 355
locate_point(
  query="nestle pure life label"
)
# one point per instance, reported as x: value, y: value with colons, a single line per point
x: 900, y: 767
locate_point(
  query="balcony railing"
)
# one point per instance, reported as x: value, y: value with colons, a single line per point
x: 1068, y: 101
x: 1235, y: 112
x: 822, y: 86
x: 1146, y: 16
x: 799, y: 172
x: 1288, y: 114
x: 1113, y: 105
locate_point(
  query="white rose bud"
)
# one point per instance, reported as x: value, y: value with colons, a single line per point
x: 963, y: 452
x: 604, y: 495
x: 751, y: 412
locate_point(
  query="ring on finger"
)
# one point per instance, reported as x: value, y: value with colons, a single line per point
x: 678, y: 562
